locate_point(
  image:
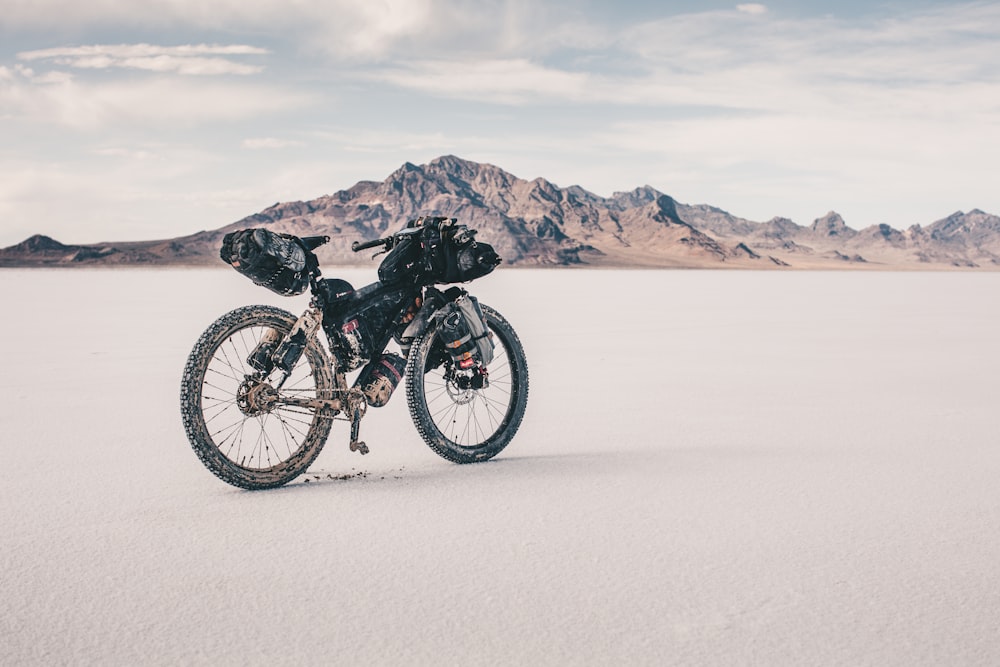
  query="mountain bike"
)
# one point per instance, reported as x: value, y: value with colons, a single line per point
x: 262, y: 388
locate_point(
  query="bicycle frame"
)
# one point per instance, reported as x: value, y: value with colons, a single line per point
x: 347, y: 400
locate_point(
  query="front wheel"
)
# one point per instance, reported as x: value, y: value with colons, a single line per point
x: 238, y: 424
x: 458, y: 419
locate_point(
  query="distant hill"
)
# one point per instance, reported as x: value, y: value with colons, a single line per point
x: 536, y: 223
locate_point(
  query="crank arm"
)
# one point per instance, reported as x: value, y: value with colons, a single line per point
x: 357, y: 445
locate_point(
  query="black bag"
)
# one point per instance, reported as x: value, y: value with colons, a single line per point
x: 380, y: 378
x: 333, y: 293
x: 360, y: 325
x: 278, y: 262
x: 450, y: 252
x: 404, y: 261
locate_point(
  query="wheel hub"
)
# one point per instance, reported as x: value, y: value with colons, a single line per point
x: 255, y: 397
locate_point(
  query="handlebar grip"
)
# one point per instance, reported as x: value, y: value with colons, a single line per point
x: 358, y: 246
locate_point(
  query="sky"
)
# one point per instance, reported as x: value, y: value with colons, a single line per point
x: 132, y: 120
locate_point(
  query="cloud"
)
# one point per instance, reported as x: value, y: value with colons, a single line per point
x: 513, y: 81
x: 403, y: 143
x: 141, y: 51
x: 269, y: 143
x: 752, y: 8
x: 343, y: 27
x: 48, y: 92
x: 125, y: 153
x: 729, y: 60
x: 185, y: 59
x: 63, y: 100
x: 376, y: 31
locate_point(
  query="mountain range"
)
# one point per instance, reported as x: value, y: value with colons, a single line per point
x: 536, y: 223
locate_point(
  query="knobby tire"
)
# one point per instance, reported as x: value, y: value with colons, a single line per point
x: 471, y: 425
x: 252, y: 451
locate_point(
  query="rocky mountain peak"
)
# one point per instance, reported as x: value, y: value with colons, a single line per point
x: 402, y: 171
x: 779, y: 227
x: 831, y: 225
x: 469, y: 172
x: 976, y: 226
x: 39, y: 243
x: 634, y: 198
x: 885, y: 233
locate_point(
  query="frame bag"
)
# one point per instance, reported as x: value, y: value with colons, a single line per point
x: 360, y: 325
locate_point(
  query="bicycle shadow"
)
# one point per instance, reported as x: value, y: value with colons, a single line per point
x: 541, y: 468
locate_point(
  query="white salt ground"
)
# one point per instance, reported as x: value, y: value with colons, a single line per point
x: 716, y: 468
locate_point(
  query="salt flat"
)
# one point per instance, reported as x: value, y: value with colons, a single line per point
x: 715, y: 468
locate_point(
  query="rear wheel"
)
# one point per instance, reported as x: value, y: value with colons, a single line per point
x: 462, y: 415
x: 236, y: 422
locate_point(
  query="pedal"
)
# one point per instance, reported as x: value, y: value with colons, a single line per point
x: 357, y: 445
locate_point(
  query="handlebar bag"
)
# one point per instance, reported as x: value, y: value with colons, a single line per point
x: 451, y: 253
x: 278, y: 262
x: 470, y: 261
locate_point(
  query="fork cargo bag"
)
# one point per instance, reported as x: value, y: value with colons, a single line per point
x: 464, y: 333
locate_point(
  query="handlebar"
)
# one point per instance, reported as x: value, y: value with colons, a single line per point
x: 389, y: 242
x: 358, y: 246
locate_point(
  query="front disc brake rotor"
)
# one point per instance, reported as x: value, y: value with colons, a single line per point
x: 459, y: 388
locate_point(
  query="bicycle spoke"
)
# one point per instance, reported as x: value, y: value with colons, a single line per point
x: 272, y: 435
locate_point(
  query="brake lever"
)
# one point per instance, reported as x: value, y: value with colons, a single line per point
x: 390, y: 243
